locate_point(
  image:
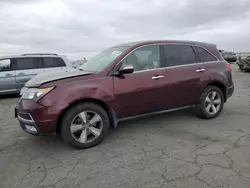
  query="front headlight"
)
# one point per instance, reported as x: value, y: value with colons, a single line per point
x: 35, y: 93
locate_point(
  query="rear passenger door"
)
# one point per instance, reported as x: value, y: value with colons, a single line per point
x: 183, y: 75
x: 25, y: 69
x: 53, y: 63
x: 204, y: 56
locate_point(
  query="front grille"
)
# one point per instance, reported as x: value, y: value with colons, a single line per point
x: 25, y: 116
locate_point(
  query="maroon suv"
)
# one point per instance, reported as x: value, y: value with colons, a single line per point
x: 125, y: 81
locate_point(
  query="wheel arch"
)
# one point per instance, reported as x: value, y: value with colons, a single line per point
x: 220, y: 85
x: 111, y: 113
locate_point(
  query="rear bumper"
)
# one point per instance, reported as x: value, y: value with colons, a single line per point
x: 35, y: 118
x: 229, y: 92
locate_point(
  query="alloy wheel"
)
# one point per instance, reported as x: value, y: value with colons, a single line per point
x: 86, y: 127
x: 212, y: 103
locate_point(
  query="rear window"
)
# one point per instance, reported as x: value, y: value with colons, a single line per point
x: 203, y: 55
x: 53, y: 62
x: 228, y: 53
x: 28, y: 63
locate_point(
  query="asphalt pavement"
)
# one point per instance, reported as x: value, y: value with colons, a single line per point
x: 174, y: 150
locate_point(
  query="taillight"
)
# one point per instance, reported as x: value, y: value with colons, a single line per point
x: 229, y: 67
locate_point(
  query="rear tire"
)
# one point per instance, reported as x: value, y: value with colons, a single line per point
x: 82, y: 122
x: 211, y: 103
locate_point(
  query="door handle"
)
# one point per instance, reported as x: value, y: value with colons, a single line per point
x: 200, y: 70
x: 21, y: 74
x: 157, y: 77
x: 8, y: 74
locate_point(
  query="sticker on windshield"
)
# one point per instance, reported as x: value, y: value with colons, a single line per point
x: 116, y: 52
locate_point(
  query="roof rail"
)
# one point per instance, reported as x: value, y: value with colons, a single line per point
x: 39, y: 54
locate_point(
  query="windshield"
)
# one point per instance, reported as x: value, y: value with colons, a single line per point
x: 103, y: 59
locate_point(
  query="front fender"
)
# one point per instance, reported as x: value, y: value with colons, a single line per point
x: 90, y: 92
x: 66, y: 94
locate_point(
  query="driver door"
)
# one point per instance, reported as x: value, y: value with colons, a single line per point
x: 142, y: 91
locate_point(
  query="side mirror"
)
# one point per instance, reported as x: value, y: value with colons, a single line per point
x: 126, y: 69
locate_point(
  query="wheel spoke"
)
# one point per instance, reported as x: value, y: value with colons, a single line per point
x: 95, y: 119
x: 74, y: 128
x: 83, y: 137
x: 208, y: 108
x: 208, y: 99
x: 214, y: 109
x: 95, y: 131
x: 217, y: 101
x: 83, y: 116
x: 214, y: 95
x: 86, y: 127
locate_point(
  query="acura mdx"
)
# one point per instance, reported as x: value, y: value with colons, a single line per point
x: 125, y: 81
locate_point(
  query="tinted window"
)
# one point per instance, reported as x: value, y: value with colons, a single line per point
x: 203, y: 55
x: 5, y: 65
x: 179, y: 54
x: 228, y: 53
x: 28, y: 63
x: 53, y: 62
x: 48, y: 62
x: 144, y: 58
x: 59, y: 62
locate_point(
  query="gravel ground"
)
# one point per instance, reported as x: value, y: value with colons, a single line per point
x: 169, y: 150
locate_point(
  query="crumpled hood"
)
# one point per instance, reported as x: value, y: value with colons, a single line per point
x: 54, y: 75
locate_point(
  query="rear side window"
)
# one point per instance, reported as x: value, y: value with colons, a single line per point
x: 179, y: 54
x: 203, y: 55
x: 28, y: 63
x: 5, y: 65
x: 53, y: 62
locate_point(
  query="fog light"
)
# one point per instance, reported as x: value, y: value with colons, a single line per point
x: 31, y: 128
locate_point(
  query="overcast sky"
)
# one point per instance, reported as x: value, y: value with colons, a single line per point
x: 81, y: 28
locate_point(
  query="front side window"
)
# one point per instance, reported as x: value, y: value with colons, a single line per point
x: 179, y: 54
x: 5, y: 65
x: 203, y: 55
x: 103, y: 59
x: 144, y: 58
x: 28, y: 63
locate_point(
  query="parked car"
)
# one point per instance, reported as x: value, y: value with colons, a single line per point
x: 123, y: 82
x: 244, y: 64
x: 230, y: 57
x: 15, y: 71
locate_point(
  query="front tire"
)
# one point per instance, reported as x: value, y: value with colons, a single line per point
x: 84, y: 125
x: 211, y: 102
